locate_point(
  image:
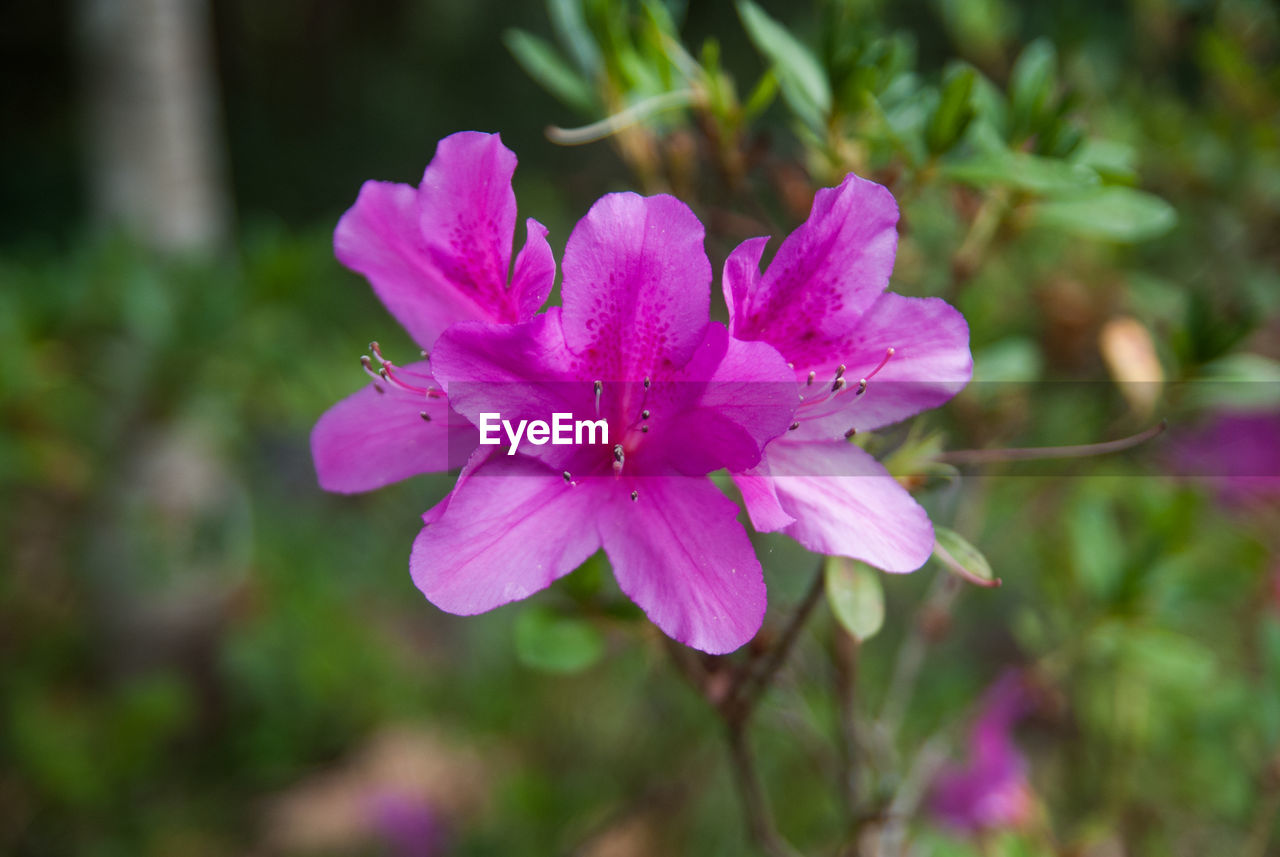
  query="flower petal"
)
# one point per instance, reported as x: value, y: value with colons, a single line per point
x: 760, y: 496
x: 519, y: 371
x: 721, y: 409
x: 679, y: 552
x: 534, y: 272
x: 372, y: 439
x: 930, y: 364
x: 440, y: 253
x: 509, y: 531
x: 824, y: 276
x: 845, y: 503
x: 636, y: 286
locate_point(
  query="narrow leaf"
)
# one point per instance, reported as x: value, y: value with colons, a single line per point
x: 962, y: 558
x: 541, y: 62
x: 1119, y: 214
x: 803, y: 80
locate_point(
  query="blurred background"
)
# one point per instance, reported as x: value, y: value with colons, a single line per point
x: 201, y: 653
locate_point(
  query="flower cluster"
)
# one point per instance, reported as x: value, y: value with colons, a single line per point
x: 773, y: 398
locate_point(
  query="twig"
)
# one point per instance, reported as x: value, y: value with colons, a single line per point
x: 759, y: 816
x: 744, y: 697
x: 1034, y: 453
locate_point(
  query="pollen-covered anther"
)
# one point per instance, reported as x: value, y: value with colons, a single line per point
x: 635, y: 496
x: 840, y: 372
x: 812, y: 377
x: 619, y: 458
x: 793, y: 426
x: 387, y: 372
x: 568, y: 478
x: 644, y: 415
x: 644, y: 429
x: 426, y: 417
x: 838, y: 385
x: 647, y: 382
x: 862, y: 387
x: 850, y: 433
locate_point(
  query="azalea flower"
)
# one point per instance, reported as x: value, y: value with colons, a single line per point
x: 435, y: 255
x: 862, y: 358
x: 633, y: 345
x: 1239, y: 452
x: 990, y: 790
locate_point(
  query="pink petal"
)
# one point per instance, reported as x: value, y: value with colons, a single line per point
x: 930, y: 364
x: 730, y: 400
x: 760, y: 496
x: 372, y: 439
x: 679, y: 552
x: 534, y: 272
x: 636, y: 286
x: 845, y: 503
x: 824, y: 276
x: 509, y: 531
x: 440, y: 253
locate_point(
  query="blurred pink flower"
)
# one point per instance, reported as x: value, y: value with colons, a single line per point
x: 989, y: 791
x: 407, y: 824
x: 1239, y: 452
x: 822, y: 303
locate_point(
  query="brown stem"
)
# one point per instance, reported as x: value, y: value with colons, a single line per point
x: 846, y: 653
x: 743, y: 698
x: 759, y: 817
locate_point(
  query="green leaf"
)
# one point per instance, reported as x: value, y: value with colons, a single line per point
x: 962, y: 558
x: 954, y: 112
x: 1116, y: 162
x: 1239, y: 382
x: 1031, y: 85
x: 803, y: 80
x: 541, y: 62
x: 855, y: 596
x: 571, y: 28
x: 990, y: 162
x: 548, y: 641
x: 1118, y: 214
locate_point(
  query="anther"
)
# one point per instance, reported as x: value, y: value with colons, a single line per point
x: 850, y: 433
x: 791, y: 365
x: 644, y: 415
x: 618, y: 455
x: 646, y: 382
x: 426, y: 355
x: 862, y: 387
x: 568, y: 479
x: 840, y: 372
x: 644, y: 429
x: 812, y: 375
x: 635, y: 495
x: 599, y: 387
x: 793, y: 426
x: 838, y: 385
x: 426, y: 417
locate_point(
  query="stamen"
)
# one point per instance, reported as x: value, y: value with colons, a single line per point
x: 387, y: 372
x: 793, y: 426
x: 888, y: 352
x: 568, y: 479
x: 862, y: 387
x: 850, y: 433
x: 838, y: 385
x: 598, y: 386
x: 840, y: 372
x: 812, y: 376
x: 646, y: 382
x: 644, y: 415
x: 426, y: 417
x: 635, y: 495
x: 644, y: 429
x: 619, y: 457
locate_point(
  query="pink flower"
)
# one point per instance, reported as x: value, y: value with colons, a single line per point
x: 435, y: 254
x: 1239, y: 452
x: 863, y: 358
x: 634, y: 346
x: 990, y: 790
